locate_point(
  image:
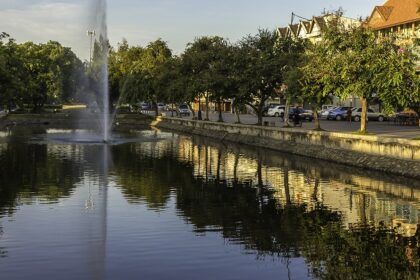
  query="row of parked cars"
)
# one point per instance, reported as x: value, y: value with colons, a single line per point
x: 329, y: 112
x: 181, y: 110
x: 276, y: 110
x: 342, y: 113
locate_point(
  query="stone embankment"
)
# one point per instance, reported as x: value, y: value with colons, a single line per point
x: 71, y: 120
x: 390, y: 155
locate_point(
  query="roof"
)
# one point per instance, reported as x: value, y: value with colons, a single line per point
x: 307, y: 25
x: 282, y: 31
x: 294, y: 28
x: 321, y: 22
x: 393, y: 13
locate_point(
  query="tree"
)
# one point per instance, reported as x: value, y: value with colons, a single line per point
x: 207, y: 64
x: 264, y: 61
x: 135, y: 72
x: 370, y: 67
x: 314, y: 71
x: 171, y: 83
x: 11, y: 73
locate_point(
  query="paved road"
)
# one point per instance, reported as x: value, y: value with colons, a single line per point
x: 388, y: 129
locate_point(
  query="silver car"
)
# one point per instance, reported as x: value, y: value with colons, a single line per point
x: 183, y: 110
x: 371, y: 115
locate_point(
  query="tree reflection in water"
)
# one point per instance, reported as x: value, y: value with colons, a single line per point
x: 31, y: 170
x: 342, y: 220
x: 245, y: 208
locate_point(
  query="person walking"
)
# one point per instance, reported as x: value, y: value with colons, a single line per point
x: 296, y: 117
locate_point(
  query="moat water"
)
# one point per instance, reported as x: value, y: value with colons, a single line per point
x: 169, y: 206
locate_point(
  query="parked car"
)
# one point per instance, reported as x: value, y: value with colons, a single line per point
x: 305, y: 115
x: 338, y: 114
x: 268, y: 107
x: 161, y: 107
x: 145, y: 106
x: 183, y: 110
x: 323, y: 114
x: 276, y: 111
x: 371, y: 115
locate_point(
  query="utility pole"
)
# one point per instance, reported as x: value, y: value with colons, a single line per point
x: 297, y: 16
x: 91, y: 34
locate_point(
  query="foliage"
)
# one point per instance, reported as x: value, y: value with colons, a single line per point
x: 263, y: 61
x: 207, y: 65
x: 35, y: 74
x: 363, y: 65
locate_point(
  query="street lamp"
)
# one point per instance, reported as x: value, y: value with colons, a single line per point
x: 91, y: 34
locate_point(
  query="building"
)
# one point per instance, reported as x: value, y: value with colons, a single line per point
x: 398, y: 18
x: 313, y: 29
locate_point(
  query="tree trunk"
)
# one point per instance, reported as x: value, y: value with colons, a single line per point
x: 238, y: 118
x: 207, y: 107
x: 315, y: 193
x: 219, y: 104
x: 316, y: 118
x: 154, y: 104
x: 286, y: 114
x: 235, y: 168
x: 200, y: 117
x: 260, y: 113
x: 364, y: 102
x: 219, y: 161
x: 287, y: 186
x: 259, y: 174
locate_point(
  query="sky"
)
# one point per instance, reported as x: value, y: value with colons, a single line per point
x: 175, y: 21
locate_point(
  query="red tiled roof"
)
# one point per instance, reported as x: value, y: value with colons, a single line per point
x: 385, y: 11
x: 395, y: 12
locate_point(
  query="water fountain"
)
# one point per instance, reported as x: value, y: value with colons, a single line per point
x: 100, y: 115
x: 102, y: 50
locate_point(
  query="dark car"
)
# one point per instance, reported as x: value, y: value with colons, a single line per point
x: 304, y: 115
x: 307, y: 115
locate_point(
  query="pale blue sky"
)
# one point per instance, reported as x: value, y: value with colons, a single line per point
x: 176, y: 21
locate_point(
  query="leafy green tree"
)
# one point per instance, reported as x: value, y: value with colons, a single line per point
x: 264, y: 61
x: 370, y: 67
x: 11, y: 73
x: 121, y: 64
x: 314, y: 71
x: 171, y: 83
x: 206, y: 63
x: 135, y: 71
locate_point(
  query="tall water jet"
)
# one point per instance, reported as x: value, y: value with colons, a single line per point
x: 99, y: 64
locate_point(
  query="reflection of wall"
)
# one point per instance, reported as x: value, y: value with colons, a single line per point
x: 358, y: 198
x: 383, y: 154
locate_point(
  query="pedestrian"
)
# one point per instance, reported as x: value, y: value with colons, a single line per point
x: 296, y: 117
x: 349, y: 115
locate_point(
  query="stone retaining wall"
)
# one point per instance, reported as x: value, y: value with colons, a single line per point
x: 391, y: 155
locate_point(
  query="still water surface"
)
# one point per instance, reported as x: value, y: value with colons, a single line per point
x: 182, y: 207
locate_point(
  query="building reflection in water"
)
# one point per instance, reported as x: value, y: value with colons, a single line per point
x: 359, y: 198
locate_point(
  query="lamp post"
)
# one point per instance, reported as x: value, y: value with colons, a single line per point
x: 91, y: 34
